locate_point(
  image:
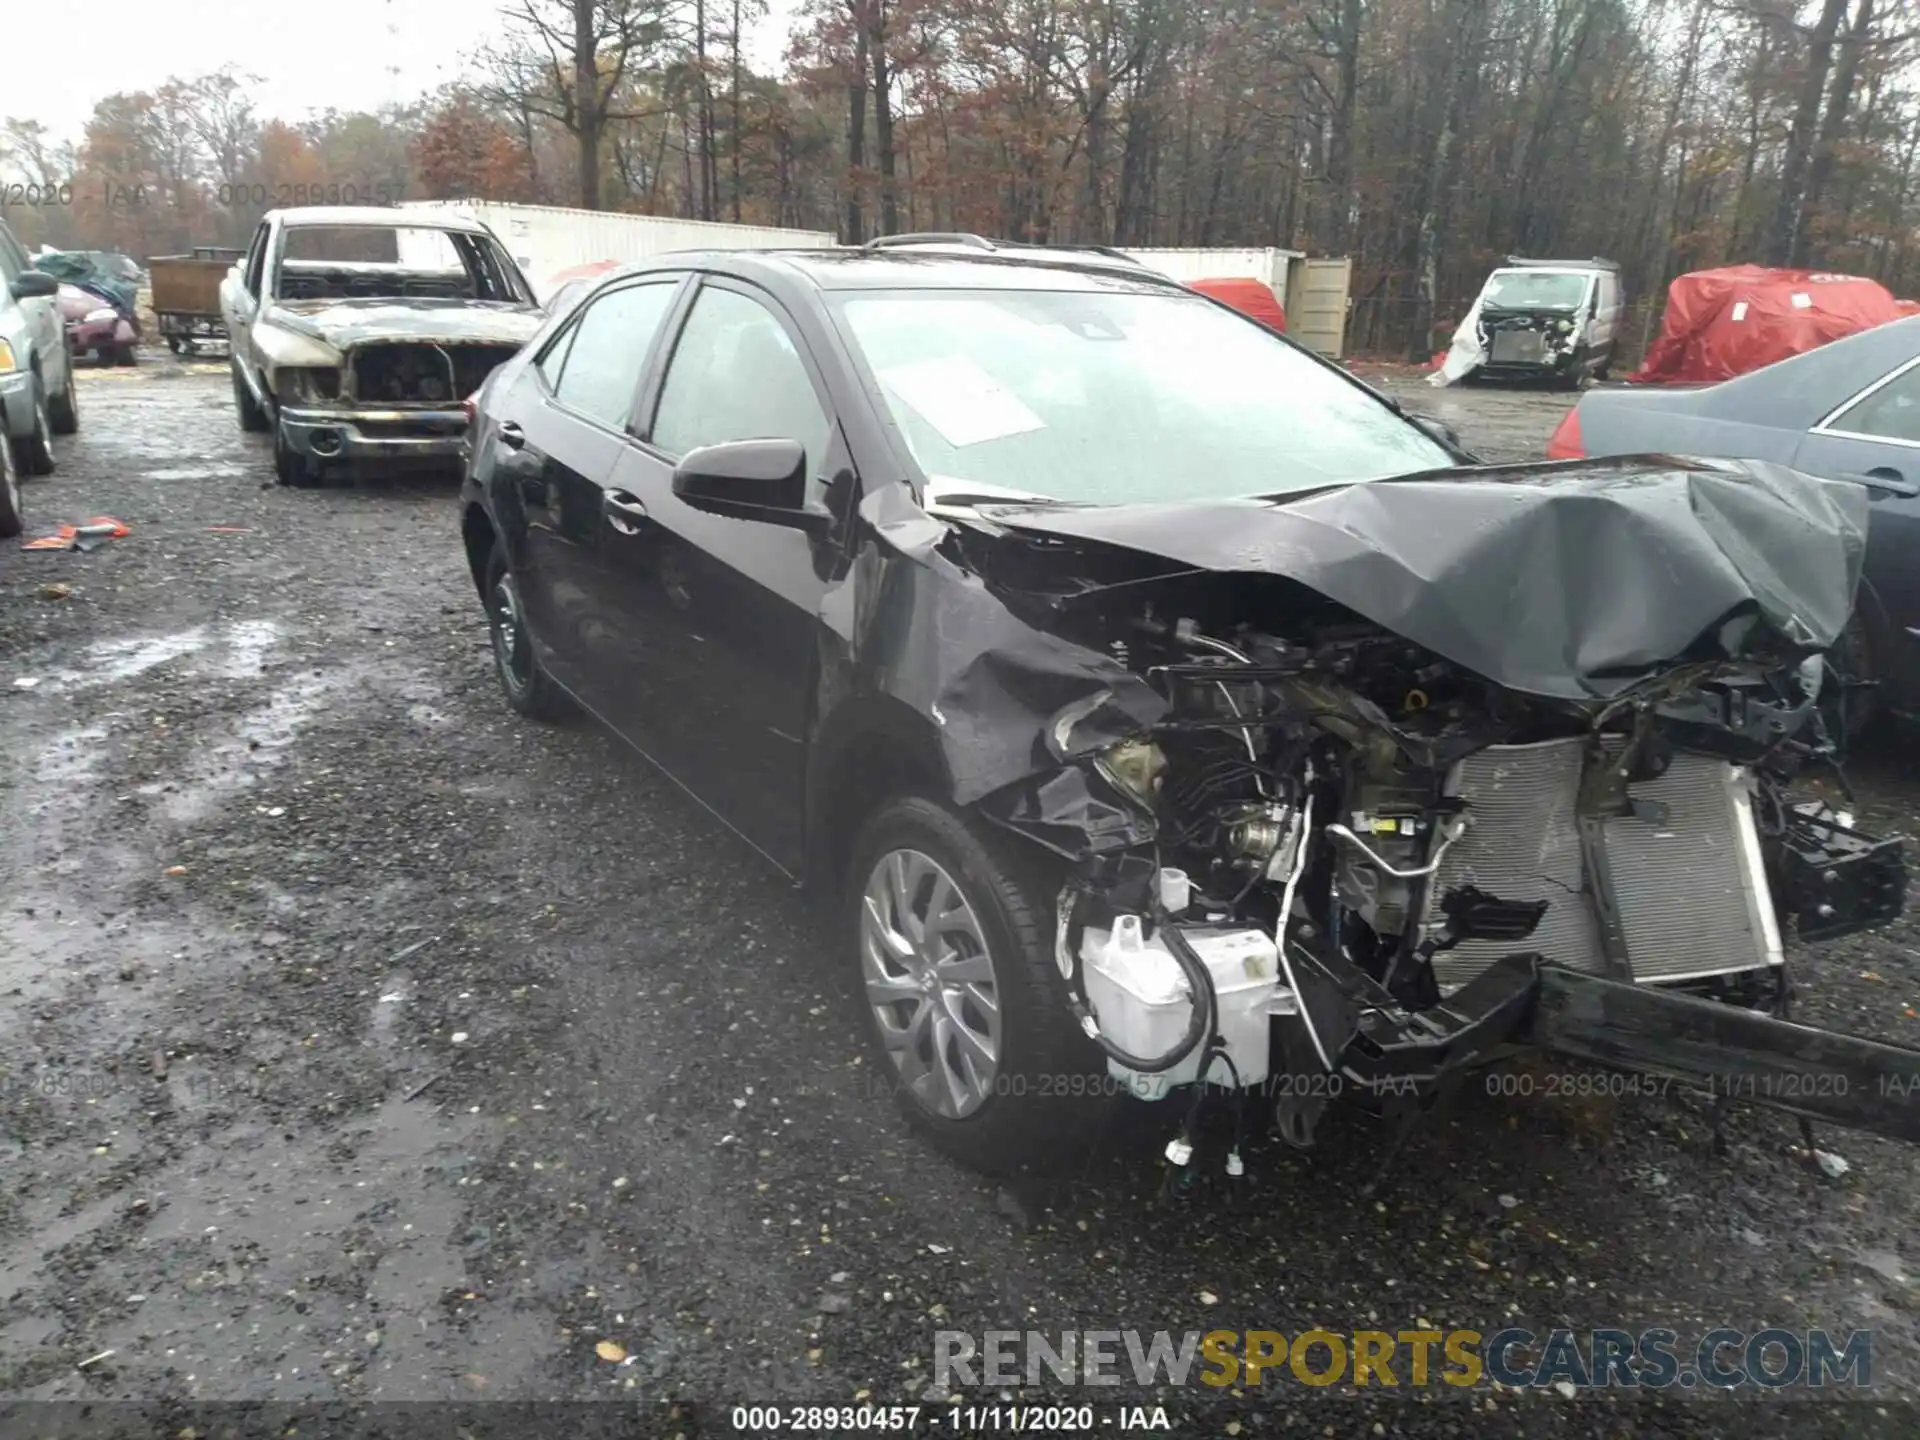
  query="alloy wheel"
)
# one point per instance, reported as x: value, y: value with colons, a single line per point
x: 509, y: 635
x: 929, y: 978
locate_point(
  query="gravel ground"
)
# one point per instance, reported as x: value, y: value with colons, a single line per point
x: 360, y: 1041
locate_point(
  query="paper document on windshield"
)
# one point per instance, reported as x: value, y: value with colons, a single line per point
x: 960, y: 400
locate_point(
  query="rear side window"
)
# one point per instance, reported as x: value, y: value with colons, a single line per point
x: 1890, y: 413
x: 13, y: 258
x: 600, y: 362
x: 737, y: 375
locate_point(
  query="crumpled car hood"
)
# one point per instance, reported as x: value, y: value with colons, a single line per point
x: 344, y: 323
x: 1570, y: 580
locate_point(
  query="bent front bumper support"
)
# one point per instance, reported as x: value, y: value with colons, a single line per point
x: 1729, y: 1051
x: 1721, y: 1049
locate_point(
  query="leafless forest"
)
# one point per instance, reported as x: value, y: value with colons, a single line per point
x: 1426, y: 138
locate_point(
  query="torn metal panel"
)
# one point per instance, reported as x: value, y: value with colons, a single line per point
x: 1466, y: 354
x: 1567, y: 580
x: 936, y: 638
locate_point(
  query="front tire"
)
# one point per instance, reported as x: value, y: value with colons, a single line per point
x: 252, y: 418
x: 1849, y: 701
x: 523, y: 680
x: 952, y: 932
x: 290, y: 467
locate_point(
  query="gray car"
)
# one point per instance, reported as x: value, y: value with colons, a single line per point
x: 1847, y: 410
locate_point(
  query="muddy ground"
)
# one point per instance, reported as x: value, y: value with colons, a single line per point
x: 361, y: 1041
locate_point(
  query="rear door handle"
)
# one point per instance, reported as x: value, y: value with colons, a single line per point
x: 624, y: 512
x: 511, y: 435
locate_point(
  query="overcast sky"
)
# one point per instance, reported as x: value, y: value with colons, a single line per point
x: 349, y: 54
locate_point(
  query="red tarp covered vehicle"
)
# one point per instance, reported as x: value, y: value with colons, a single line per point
x: 1247, y: 295
x: 1722, y: 323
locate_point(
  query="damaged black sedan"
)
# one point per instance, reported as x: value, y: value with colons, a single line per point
x: 1172, y: 712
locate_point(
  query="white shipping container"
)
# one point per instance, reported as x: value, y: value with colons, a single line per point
x: 1267, y: 264
x: 547, y: 239
x: 1312, y: 292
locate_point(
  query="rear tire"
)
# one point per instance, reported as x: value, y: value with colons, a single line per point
x: 12, y: 516
x: 34, y: 455
x: 124, y: 355
x: 63, y: 410
x: 524, y: 681
x: 1041, y: 1094
x: 252, y: 418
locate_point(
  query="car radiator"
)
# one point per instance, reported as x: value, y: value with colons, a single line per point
x: 1518, y: 347
x: 1690, y: 886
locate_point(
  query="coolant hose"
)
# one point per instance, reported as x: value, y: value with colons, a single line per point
x: 1201, y: 1022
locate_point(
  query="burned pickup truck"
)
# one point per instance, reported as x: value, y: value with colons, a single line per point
x: 357, y: 332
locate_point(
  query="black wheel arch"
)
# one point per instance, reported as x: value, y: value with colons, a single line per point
x: 479, y: 536
x: 869, y: 749
x: 1882, y: 639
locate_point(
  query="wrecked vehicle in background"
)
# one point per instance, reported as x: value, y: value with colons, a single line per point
x: 357, y: 331
x: 1553, y: 320
x: 1174, y: 715
x: 96, y: 326
x: 98, y: 300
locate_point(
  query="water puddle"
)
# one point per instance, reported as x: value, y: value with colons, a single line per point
x: 212, y: 470
x: 257, y: 745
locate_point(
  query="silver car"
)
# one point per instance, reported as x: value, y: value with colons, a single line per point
x: 37, y: 399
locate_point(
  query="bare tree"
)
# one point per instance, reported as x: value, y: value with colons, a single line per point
x: 585, y: 50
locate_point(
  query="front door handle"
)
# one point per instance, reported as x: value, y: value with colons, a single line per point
x: 624, y: 512
x: 511, y: 435
x: 1887, y: 481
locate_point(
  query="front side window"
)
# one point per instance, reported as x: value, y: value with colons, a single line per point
x: 256, y: 261
x: 1117, y: 397
x: 736, y: 375
x: 601, y: 358
x: 1890, y: 413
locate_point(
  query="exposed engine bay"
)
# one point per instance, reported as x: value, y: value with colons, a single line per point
x: 1343, y: 821
x: 1529, y: 338
x: 1337, y: 863
x: 417, y: 373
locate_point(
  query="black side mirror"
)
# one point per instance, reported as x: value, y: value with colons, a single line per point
x: 34, y: 285
x: 1438, y: 429
x: 764, y: 480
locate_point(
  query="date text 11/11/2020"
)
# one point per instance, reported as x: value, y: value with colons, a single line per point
x: 960, y: 1418
x: 236, y: 195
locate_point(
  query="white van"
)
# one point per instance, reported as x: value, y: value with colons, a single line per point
x: 1553, y: 320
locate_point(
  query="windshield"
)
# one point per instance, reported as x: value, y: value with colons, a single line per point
x: 1117, y: 398
x: 1535, y: 290
x: 392, y: 262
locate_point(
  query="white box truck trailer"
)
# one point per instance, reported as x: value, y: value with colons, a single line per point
x: 548, y: 239
x: 1313, y: 291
